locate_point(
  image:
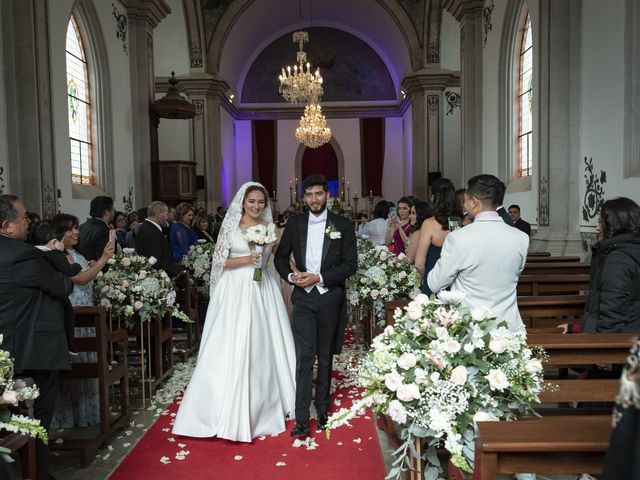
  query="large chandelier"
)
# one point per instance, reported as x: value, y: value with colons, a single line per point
x: 313, y: 130
x: 298, y: 84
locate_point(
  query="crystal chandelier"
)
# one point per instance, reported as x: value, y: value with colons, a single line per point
x: 313, y: 130
x: 298, y: 84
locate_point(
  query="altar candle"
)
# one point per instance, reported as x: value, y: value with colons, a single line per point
x: 371, y: 193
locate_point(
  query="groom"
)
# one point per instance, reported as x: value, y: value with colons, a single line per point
x: 324, y: 250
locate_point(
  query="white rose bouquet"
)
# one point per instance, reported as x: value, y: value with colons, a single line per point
x: 197, y: 261
x: 257, y: 237
x: 381, y: 277
x: 13, y: 391
x: 438, y: 370
x: 132, y: 286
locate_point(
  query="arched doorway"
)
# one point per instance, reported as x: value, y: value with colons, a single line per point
x: 326, y: 160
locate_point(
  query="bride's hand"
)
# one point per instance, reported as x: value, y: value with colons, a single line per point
x: 254, y: 258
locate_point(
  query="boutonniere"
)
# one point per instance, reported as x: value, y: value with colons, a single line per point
x: 332, y: 232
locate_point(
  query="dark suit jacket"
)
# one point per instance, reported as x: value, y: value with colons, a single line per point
x: 31, y: 311
x: 523, y: 226
x: 94, y: 236
x: 151, y: 242
x: 339, y: 258
x: 505, y: 216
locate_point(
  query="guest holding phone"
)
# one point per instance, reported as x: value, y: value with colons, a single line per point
x: 398, y: 226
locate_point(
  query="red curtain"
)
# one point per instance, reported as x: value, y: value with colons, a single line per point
x: 320, y: 161
x: 372, y: 149
x: 264, y: 153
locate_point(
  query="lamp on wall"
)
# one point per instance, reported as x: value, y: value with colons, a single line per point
x: 173, y: 105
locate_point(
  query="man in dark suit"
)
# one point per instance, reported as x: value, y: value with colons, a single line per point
x: 324, y: 248
x: 151, y: 242
x: 94, y: 233
x: 32, y: 315
x: 519, y: 223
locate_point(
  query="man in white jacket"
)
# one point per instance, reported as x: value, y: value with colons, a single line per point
x: 484, y: 259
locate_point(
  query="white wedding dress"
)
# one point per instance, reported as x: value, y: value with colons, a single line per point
x: 243, y: 385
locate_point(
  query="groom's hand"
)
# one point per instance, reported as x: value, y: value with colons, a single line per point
x: 305, y: 279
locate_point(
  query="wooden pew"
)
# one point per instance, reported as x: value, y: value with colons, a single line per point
x: 538, y: 254
x: 390, y: 308
x: 556, y: 268
x: 550, y: 258
x: 550, y: 310
x: 187, y: 298
x: 562, y: 444
x: 110, y: 346
x: 533, y: 285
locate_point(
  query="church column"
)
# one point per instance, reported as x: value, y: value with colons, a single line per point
x: 426, y: 90
x: 143, y: 16
x: 469, y: 14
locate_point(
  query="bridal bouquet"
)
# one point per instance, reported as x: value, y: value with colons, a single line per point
x: 132, y: 286
x: 257, y: 237
x: 13, y: 391
x: 381, y: 277
x: 441, y: 368
x: 197, y: 261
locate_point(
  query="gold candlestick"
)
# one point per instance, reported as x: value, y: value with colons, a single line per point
x: 355, y: 205
x: 370, y: 197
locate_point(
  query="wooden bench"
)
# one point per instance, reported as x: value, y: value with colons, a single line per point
x: 556, y: 268
x: 534, y: 285
x: 21, y: 444
x: 552, y: 259
x: 187, y: 298
x: 561, y: 444
x: 538, y: 254
x: 550, y: 310
x: 110, y: 369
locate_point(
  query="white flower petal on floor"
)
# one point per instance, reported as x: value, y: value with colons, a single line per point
x: 238, y: 457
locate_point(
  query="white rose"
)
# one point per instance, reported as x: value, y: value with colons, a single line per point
x: 375, y: 294
x: 364, y: 280
x: 481, y: 313
x: 481, y: 416
x: 105, y: 303
x: 451, y: 346
x: 153, y: 260
x: 414, y: 311
x: 435, y: 377
x: 111, y: 261
x: 389, y: 330
x: 498, y: 345
x: 105, y: 289
x: 468, y: 347
x: 378, y: 397
x: 199, y: 250
x: 138, y: 305
x: 533, y: 366
x: 142, y: 274
x: 497, y: 379
x: 125, y: 283
x: 397, y: 412
x: 393, y: 380
x: 10, y: 397
x: 421, y: 299
x: 126, y: 261
x: 384, y: 292
x: 459, y: 375
x: 128, y: 310
x: 421, y: 376
x: 407, y: 361
x: 383, y: 255
x: 402, y: 256
x: 408, y: 392
x: 402, y: 274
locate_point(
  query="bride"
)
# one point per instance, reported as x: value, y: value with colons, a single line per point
x: 243, y: 385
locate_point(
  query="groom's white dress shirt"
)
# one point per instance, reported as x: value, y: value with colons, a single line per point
x: 484, y: 260
x: 315, y: 240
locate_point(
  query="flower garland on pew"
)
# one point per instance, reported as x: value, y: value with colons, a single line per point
x: 381, y: 277
x: 133, y: 288
x: 14, y: 391
x: 197, y: 261
x: 441, y: 368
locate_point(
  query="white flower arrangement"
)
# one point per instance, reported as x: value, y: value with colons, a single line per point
x: 438, y: 370
x: 381, y: 277
x: 257, y: 237
x: 197, y: 261
x: 13, y: 391
x: 132, y: 288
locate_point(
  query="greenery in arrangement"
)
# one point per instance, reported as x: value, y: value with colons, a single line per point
x: 440, y: 369
x: 381, y: 277
x: 14, y: 391
x: 197, y: 261
x: 132, y: 288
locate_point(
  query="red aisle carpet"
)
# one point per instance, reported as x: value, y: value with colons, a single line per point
x: 350, y: 453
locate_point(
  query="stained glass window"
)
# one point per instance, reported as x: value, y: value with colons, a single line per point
x: 79, y: 111
x: 525, y: 97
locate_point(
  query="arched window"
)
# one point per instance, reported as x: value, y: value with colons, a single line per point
x: 79, y: 108
x: 525, y: 100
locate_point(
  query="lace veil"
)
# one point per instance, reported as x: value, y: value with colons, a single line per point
x: 228, y: 229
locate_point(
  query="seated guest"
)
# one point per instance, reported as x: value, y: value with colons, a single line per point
x: 420, y: 211
x: 398, y: 228
x: 201, y: 225
x: 151, y: 242
x: 376, y: 229
x: 32, y: 315
x: 484, y: 259
x: 120, y: 224
x: 435, y: 229
x: 219, y: 214
x: 362, y: 220
x: 94, y: 233
x: 519, y: 223
x: 181, y: 236
x: 613, y: 304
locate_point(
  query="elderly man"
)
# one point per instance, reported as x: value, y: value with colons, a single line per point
x: 484, y: 259
x: 152, y: 242
x: 31, y: 314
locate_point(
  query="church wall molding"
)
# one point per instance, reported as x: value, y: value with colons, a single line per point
x: 150, y: 11
x: 631, y: 159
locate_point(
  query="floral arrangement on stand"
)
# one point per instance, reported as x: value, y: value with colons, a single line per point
x: 381, y: 277
x: 441, y: 368
x: 133, y: 287
x: 197, y: 261
x: 14, y: 391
